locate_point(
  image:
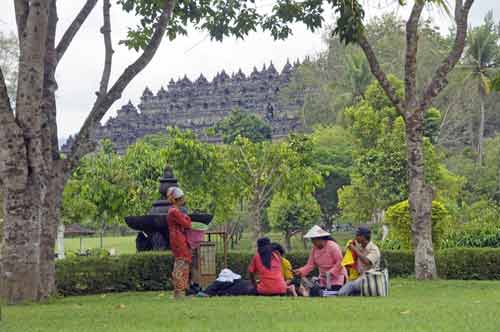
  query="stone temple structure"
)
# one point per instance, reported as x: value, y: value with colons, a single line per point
x: 199, y: 105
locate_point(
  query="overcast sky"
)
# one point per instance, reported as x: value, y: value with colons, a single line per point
x: 79, y: 72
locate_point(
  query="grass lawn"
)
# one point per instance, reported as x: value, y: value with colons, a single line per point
x: 122, y: 244
x: 126, y: 244
x: 431, y: 306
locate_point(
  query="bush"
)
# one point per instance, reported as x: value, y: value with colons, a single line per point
x: 93, y: 274
x: 398, y: 217
x: 488, y: 237
x: 152, y: 271
x: 469, y: 263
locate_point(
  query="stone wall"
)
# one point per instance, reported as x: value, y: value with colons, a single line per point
x: 199, y: 105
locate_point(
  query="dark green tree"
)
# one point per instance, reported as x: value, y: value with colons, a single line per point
x: 245, y: 125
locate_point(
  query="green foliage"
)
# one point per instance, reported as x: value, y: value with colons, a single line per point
x: 244, y: 125
x: 293, y: 215
x: 473, y: 237
x: 469, y: 263
x: 100, y: 184
x: 204, y: 171
x: 75, y: 208
x: 482, y: 182
x: 152, y: 271
x: 144, y: 164
x: 399, y: 219
x: 332, y: 152
x: 379, y: 176
x: 432, y: 123
x: 222, y: 19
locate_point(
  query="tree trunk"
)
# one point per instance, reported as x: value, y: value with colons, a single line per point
x: 480, y: 138
x: 48, y: 237
x: 55, y: 176
x: 20, y: 257
x: 288, y: 241
x: 420, y: 198
x: 304, y: 241
x: 256, y: 222
x: 25, y: 172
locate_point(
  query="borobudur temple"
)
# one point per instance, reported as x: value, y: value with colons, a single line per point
x: 199, y: 105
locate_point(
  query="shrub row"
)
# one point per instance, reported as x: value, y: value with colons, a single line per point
x: 151, y: 271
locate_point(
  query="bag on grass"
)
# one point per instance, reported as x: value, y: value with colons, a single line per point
x: 375, y: 283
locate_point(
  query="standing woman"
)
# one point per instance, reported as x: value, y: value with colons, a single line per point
x: 327, y: 257
x: 178, y: 223
x: 266, y: 264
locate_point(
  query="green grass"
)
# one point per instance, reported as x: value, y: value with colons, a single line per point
x: 122, y: 244
x: 428, y: 306
x: 126, y: 244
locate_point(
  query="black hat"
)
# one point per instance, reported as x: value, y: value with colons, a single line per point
x: 364, y: 231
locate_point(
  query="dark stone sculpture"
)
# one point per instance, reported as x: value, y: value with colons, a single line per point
x: 153, y: 229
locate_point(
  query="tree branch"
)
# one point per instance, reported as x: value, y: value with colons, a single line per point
x: 379, y: 73
x: 5, y: 105
x: 11, y: 138
x: 21, y: 8
x: 74, y: 27
x: 108, y: 58
x: 439, y: 81
x: 83, y: 142
x: 411, y: 52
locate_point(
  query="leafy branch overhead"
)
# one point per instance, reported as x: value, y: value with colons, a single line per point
x: 222, y: 19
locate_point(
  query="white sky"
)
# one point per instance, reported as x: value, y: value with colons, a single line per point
x: 79, y: 72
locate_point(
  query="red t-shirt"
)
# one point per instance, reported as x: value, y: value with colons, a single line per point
x: 178, y: 223
x: 271, y: 281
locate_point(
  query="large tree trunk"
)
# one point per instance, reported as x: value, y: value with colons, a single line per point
x: 420, y: 198
x: 55, y: 181
x: 20, y: 257
x: 47, y: 286
x: 26, y: 173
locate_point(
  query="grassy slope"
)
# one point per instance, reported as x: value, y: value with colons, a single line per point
x: 126, y: 244
x: 432, y: 306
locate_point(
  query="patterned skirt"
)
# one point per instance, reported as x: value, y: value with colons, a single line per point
x: 180, y: 275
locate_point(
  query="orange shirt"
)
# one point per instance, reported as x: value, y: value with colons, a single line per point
x: 271, y: 281
x: 178, y: 223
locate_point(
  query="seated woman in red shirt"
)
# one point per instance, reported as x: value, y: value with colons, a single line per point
x: 178, y: 223
x: 266, y: 264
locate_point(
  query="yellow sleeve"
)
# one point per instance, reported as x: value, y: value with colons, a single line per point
x: 286, y: 267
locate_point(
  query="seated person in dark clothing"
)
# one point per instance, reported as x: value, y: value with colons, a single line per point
x: 229, y: 283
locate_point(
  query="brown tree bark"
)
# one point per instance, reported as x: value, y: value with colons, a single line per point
x: 420, y: 198
x: 31, y: 171
x: 25, y: 172
x: 256, y: 221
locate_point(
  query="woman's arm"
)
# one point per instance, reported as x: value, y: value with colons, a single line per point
x: 252, y: 270
x: 253, y: 279
x: 306, y: 269
x: 180, y: 218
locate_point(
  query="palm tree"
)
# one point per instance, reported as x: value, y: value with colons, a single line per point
x: 481, y: 59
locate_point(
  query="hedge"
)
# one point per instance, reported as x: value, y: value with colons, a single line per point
x: 151, y: 271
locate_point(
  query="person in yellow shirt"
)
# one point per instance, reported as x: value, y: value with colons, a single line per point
x: 286, y: 268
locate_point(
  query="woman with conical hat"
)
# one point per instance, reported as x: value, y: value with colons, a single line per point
x: 325, y: 255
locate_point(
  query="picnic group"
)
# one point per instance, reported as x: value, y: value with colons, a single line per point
x: 357, y: 272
